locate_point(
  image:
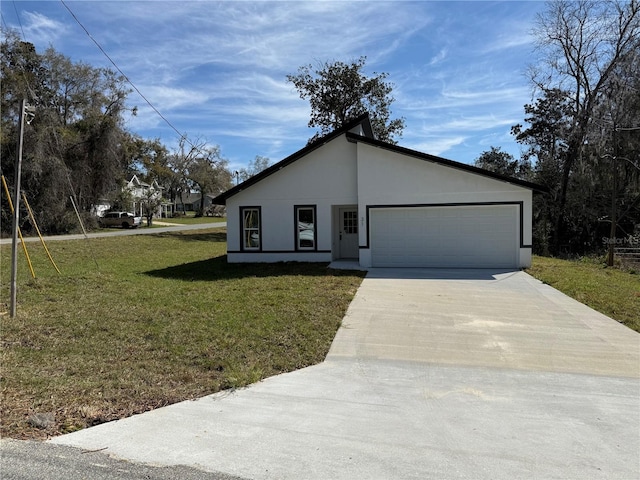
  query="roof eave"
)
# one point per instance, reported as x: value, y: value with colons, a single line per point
x: 362, y: 119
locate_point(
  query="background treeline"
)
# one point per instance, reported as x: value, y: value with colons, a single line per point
x: 77, y: 144
x: 581, y: 134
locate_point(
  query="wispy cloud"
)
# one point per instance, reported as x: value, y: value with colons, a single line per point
x: 42, y: 29
x: 439, y: 57
x: 435, y: 145
x: 219, y: 68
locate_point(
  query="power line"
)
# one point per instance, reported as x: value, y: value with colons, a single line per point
x: 18, y: 17
x: 125, y: 76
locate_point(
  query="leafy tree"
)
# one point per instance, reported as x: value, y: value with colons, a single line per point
x: 74, y: 144
x: 504, y: 163
x: 209, y: 174
x: 151, y: 201
x: 121, y: 199
x: 583, y: 47
x: 149, y: 159
x: 339, y: 92
x: 200, y: 167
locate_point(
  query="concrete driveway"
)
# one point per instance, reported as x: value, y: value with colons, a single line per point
x: 434, y: 374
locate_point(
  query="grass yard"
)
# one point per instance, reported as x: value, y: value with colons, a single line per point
x: 139, y: 322
x: 611, y: 291
x: 189, y: 219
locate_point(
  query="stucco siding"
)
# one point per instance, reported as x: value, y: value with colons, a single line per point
x: 340, y: 175
x: 390, y: 178
x: 325, y: 177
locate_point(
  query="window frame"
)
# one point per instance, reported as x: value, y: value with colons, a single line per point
x: 296, y: 212
x: 243, y: 229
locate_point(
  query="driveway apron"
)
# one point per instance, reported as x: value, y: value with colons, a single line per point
x: 465, y: 374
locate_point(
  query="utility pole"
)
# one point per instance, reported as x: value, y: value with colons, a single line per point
x: 28, y: 111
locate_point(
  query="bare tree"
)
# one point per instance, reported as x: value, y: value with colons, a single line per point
x: 259, y: 164
x: 581, y: 44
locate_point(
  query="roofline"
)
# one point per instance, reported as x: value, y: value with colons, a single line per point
x: 361, y: 120
x: 448, y: 163
x: 369, y: 139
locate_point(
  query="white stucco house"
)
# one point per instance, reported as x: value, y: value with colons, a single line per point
x: 350, y: 196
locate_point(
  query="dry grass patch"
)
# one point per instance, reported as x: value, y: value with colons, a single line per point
x: 162, y: 319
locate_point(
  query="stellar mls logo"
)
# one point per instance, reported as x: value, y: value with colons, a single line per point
x: 622, y: 241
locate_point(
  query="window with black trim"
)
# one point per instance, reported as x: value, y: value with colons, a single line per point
x: 251, y: 233
x: 305, y: 227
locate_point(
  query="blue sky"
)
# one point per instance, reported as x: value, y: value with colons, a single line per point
x: 217, y: 70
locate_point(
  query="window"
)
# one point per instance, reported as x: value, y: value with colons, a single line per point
x: 305, y: 227
x: 250, y: 228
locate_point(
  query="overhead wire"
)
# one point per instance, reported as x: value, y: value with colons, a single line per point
x: 18, y: 18
x: 35, y: 98
x: 181, y: 135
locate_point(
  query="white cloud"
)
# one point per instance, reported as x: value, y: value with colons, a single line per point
x: 433, y: 144
x: 42, y: 30
x: 218, y: 68
x: 439, y: 57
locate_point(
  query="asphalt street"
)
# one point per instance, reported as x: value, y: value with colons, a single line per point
x: 122, y: 232
x: 22, y: 460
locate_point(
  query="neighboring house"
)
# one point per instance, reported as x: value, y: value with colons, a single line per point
x: 141, y: 190
x: 350, y: 196
x: 101, y: 207
x: 191, y: 202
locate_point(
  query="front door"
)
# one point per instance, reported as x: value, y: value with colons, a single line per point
x: 348, y: 232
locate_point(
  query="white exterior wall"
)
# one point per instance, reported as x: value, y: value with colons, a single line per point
x: 389, y: 178
x: 341, y: 173
x: 325, y: 177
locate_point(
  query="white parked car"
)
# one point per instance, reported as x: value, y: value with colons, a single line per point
x: 119, y: 219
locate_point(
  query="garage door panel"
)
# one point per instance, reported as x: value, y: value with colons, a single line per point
x: 468, y: 236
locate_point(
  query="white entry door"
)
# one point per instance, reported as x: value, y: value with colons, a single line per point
x: 348, y: 232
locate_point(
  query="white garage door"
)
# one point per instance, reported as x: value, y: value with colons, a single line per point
x: 480, y: 236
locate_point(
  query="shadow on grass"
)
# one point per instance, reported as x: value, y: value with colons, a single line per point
x: 218, y: 269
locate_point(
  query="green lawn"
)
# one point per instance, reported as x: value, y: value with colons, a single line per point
x: 189, y: 219
x: 611, y: 291
x: 135, y: 323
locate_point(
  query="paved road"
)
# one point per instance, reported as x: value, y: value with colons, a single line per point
x: 22, y: 460
x: 121, y: 232
x: 443, y: 374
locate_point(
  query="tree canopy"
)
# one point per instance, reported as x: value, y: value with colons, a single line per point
x: 74, y: 145
x: 77, y: 144
x: 259, y: 164
x: 585, y: 115
x: 504, y: 163
x: 339, y: 92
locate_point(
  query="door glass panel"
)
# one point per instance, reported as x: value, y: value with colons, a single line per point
x: 350, y: 222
